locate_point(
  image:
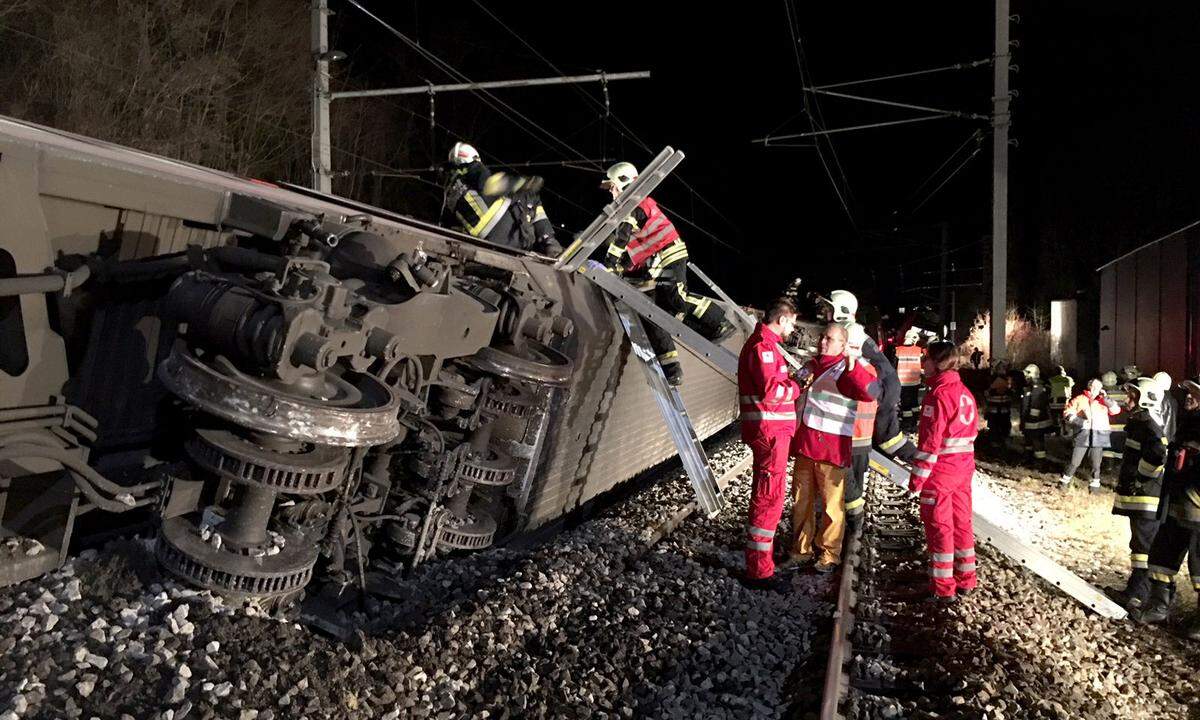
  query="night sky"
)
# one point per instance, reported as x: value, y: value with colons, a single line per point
x: 1105, y: 124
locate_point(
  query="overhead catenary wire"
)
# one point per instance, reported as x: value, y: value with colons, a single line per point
x: 913, y: 73
x: 623, y: 129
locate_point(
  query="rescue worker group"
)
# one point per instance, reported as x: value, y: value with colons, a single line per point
x: 850, y: 397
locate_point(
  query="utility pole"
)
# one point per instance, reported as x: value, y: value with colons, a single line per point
x: 322, y: 155
x: 1000, y: 123
x: 945, y: 228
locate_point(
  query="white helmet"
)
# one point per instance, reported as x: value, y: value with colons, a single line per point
x: 1032, y: 372
x: 463, y: 154
x: 1164, y: 381
x: 912, y: 336
x: 1109, y: 379
x: 845, y: 305
x: 1150, y: 393
x: 619, y: 176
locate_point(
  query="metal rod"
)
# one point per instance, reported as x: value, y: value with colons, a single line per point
x: 892, y: 103
x: 322, y: 145
x: 454, y: 87
x: 956, y: 66
x: 539, y: 163
x: 769, y: 140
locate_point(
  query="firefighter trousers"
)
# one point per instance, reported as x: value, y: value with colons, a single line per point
x: 770, y: 456
x: 1171, y: 543
x: 999, y: 422
x: 701, y: 314
x: 910, y: 401
x: 1141, y: 536
x: 860, y: 460
x: 949, y: 533
x: 889, y: 438
x: 811, y: 479
x: 1035, y: 443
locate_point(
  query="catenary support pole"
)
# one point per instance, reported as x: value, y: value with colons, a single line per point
x: 1000, y: 122
x: 322, y: 155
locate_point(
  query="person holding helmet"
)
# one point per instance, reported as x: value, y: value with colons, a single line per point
x: 1087, y: 414
x: 1115, y: 390
x: 1179, y: 534
x: 1060, y: 386
x: 822, y: 442
x: 1139, y: 483
x: 942, y: 470
x: 908, y: 369
x: 499, y: 207
x: 767, y: 399
x: 876, y: 423
x: 646, y: 248
x: 1035, y: 413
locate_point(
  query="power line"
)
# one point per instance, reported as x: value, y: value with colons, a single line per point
x: 914, y: 73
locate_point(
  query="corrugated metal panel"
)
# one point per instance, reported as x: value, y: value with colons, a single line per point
x: 1126, y: 313
x: 1108, y: 318
x: 1145, y: 326
x: 1173, y: 308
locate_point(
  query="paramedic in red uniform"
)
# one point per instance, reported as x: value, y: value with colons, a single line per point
x: 942, y: 470
x: 822, y: 444
x: 768, y: 418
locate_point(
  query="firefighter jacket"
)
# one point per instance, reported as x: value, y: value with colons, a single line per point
x: 946, y: 432
x: 1183, y: 472
x: 864, y: 417
x: 1035, y: 408
x: 646, y: 235
x: 1140, y: 479
x: 478, y: 212
x: 999, y: 394
x: 1089, y: 415
x: 767, y: 394
x: 889, y: 438
x: 1060, y: 389
x: 826, y: 409
x: 908, y: 365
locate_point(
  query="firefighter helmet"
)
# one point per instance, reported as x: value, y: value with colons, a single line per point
x: 1150, y: 393
x: 845, y: 305
x: 1163, y: 380
x: 1191, y: 387
x: 463, y: 154
x: 1109, y: 379
x: 619, y: 176
x: 912, y: 336
x: 1130, y: 373
x: 1060, y: 371
x: 1032, y: 373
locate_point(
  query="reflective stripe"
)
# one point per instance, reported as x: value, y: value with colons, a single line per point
x: 1139, y: 556
x: 855, y: 504
x: 893, y: 442
x: 755, y: 530
x: 922, y: 472
x: 927, y: 457
x: 764, y: 546
x: 928, y: 501
x: 1034, y: 412
x: 941, y: 557
x: 1151, y: 471
x: 825, y: 409
x: 490, y: 218
x: 969, y: 552
x: 1131, y: 443
x: 941, y: 572
x: 1039, y: 454
x: 965, y: 567
x: 1038, y: 425
x: 768, y: 416
x: 958, y: 450
x: 1149, y: 503
x: 1160, y: 569
x: 958, y: 441
x: 668, y: 355
x: 1160, y: 577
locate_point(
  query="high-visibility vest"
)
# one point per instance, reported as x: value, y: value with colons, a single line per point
x: 864, y: 417
x: 908, y: 365
x: 654, y: 235
x: 825, y: 408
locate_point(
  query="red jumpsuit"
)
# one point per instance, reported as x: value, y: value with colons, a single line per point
x: 942, y: 470
x: 768, y: 417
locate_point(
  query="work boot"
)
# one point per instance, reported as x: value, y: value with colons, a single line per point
x: 1192, y: 629
x: 825, y: 567
x: 724, y: 330
x: 773, y: 583
x: 1134, y: 595
x: 1094, y: 486
x: 1064, y: 482
x: 942, y: 599
x: 1157, y: 606
x: 674, y: 373
x: 965, y: 592
x: 792, y: 564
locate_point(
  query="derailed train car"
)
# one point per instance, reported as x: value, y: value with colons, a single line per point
x: 292, y: 382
